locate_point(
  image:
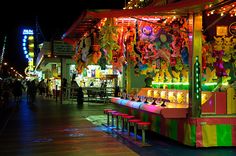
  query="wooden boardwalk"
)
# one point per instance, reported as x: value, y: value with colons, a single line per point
x: 50, y: 129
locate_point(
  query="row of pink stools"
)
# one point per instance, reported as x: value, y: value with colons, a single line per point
x: 126, y: 122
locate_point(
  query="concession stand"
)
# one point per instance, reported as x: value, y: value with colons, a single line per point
x: 187, y: 54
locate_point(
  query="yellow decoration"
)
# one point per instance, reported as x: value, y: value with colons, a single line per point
x: 227, y: 44
x: 176, y: 76
x: 185, y: 77
x: 162, y: 76
x: 218, y: 43
x: 168, y: 76
x: 163, y: 94
x: 171, y: 96
x: 210, y: 59
x: 210, y: 75
x: 156, y: 94
x: 204, y: 98
x: 156, y: 78
x: 180, y: 97
x: 226, y: 78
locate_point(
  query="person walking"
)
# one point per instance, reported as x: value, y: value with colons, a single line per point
x: 32, y: 90
x: 80, y: 96
x: 17, y: 90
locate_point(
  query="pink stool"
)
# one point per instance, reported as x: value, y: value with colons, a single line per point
x: 121, y: 115
x: 109, y: 112
x: 143, y: 126
x: 116, y: 115
x: 133, y: 122
x: 126, y: 118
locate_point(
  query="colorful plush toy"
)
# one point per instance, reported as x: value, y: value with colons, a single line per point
x: 147, y: 34
x: 168, y: 76
x: 184, y: 55
x: 176, y: 46
x: 179, y: 66
x: 163, y: 39
x: 219, y: 64
x: 85, y: 49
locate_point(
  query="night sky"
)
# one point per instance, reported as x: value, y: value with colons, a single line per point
x: 54, y: 20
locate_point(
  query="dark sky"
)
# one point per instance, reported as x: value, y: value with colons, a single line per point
x: 54, y: 19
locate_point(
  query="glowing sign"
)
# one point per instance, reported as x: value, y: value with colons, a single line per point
x: 28, y: 32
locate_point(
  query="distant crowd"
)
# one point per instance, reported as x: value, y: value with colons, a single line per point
x: 13, y: 89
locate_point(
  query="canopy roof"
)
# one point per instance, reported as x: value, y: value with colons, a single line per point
x: 89, y: 19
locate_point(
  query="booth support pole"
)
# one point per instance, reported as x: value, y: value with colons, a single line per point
x: 195, y: 59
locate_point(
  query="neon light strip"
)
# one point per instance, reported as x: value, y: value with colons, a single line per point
x: 171, y: 83
x: 186, y: 83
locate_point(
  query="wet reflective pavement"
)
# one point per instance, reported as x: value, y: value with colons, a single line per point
x: 50, y: 128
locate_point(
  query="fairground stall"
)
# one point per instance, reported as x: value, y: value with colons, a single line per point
x: 178, y: 67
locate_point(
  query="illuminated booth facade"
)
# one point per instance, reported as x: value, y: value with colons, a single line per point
x: 192, y: 94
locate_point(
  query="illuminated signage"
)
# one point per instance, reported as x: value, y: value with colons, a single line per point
x: 28, y: 32
x: 28, y: 47
x: 232, y: 28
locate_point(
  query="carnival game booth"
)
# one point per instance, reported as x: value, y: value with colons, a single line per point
x: 192, y: 99
x: 200, y: 113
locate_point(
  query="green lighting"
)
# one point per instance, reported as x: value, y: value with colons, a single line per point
x: 170, y: 83
x: 197, y: 96
x: 185, y: 83
x: 210, y: 84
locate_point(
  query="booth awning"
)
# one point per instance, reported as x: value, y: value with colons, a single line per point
x: 88, y: 19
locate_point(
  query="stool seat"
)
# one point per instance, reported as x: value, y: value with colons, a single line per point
x: 134, y: 120
x: 143, y: 125
x: 123, y: 114
x: 111, y: 111
x: 128, y: 117
x: 115, y: 113
x: 105, y: 110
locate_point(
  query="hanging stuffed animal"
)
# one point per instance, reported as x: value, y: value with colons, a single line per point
x: 85, y: 49
x: 227, y: 44
x: 179, y: 66
x: 184, y: 55
x: 176, y: 46
x: 147, y: 34
x: 218, y: 43
x: 219, y: 64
